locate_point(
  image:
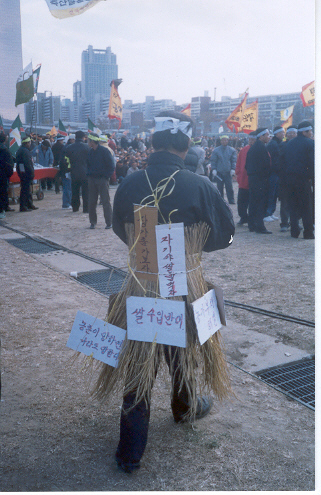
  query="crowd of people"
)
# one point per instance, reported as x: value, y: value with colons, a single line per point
x: 264, y: 165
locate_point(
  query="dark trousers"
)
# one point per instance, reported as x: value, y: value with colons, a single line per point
x: 225, y: 179
x: 76, y: 185
x: 25, y: 193
x: 134, y: 424
x: 259, y: 189
x: 300, y: 206
x: 4, y: 202
x: 99, y: 186
x: 243, y: 204
x: 284, y: 205
x: 272, y: 195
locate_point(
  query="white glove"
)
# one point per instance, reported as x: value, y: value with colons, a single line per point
x: 232, y: 173
x: 214, y: 172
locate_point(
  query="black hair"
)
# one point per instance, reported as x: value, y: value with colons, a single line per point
x: 166, y: 140
x: 2, y: 137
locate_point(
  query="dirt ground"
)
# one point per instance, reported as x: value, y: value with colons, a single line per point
x: 54, y: 438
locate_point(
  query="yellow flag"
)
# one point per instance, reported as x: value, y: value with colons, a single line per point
x: 115, y: 110
x: 250, y: 118
x: 235, y: 119
x: 307, y: 95
x: 187, y: 110
x: 287, y: 123
x: 285, y: 114
x: 69, y: 8
x: 53, y: 131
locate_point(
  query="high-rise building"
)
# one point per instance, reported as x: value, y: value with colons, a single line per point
x: 98, y: 69
x: 10, y: 56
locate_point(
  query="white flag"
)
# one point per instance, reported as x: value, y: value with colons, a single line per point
x: 69, y: 8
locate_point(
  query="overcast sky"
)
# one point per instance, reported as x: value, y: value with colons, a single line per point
x: 177, y: 49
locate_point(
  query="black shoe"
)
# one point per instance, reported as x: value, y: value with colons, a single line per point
x: 127, y: 467
x: 308, y: 236
x: 33, y: 207
x: 263, y: 231
x: 92, y: 226
x: 85, y: 211
x: 24, y: 208
x: 241, y: 222
x: 232, y: 202
x: 75, y: 210
x: 108, y: 226
x: 10, y: 209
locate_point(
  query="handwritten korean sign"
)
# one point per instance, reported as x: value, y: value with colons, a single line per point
x: 90, y: 335
x: 207, y: 316
x: 159, y: 320
x: 146, y: 218
x: 171, y: 260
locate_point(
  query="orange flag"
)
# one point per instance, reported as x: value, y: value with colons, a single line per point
x: 235, y: 119
x: 187, y: 110
x: 307, y: 95
x: 250, y: 118
x: 288, y: 122
x: 115, y: 110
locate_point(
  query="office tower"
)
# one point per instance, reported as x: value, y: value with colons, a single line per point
x: 98, y: 69
x: 10, y: 57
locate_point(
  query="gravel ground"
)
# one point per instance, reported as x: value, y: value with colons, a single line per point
x: 55, y: 438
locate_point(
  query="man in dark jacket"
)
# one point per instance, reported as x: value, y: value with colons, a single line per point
x: 77, y: 154
x: 274, y: 149
x: 100, y: 167
x: 6, y: 170
x: 258, y: 167
x: 188, y: 198
x: 299, y: 169
x: 56, y: 151
x: 26, y: 174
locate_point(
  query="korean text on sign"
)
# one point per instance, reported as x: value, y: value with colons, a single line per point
x: 171, y: 260
x: 156, y: 320
x: 207, y: 317
x: 90, y: 335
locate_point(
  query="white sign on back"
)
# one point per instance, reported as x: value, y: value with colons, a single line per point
x: 207, y: 317
x: 171, y: 260
x: 98, y: 338
x: 159, y: 320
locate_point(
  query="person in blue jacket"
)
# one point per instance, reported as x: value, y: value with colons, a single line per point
x: 298, y: 155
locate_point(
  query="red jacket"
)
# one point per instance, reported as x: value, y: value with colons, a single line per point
x: 240, y: 171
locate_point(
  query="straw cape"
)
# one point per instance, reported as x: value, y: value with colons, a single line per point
x: 203, y: 368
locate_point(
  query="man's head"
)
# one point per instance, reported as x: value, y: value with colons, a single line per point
x: 291, y: 132
x: 173, y: 131
x: 26, y: 141
x: 93, y: 140
x: 45, y: 145
x: 306, y: 129
x: 278, y: 132
x: 60, y: 139
x: 80, y: 135
x: 3, y: 137
x: 263, y: 134
x: 224, y: 140
x: 252, y: 138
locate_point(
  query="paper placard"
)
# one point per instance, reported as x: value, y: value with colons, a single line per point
x: 146, y: 218
x: 90, y: 335
x: 171, y: 260
x: 207, y: 317
x: 159, y: 320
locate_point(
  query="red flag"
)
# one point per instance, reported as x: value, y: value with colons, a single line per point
x: 235, y: 119
x: 187, y: 110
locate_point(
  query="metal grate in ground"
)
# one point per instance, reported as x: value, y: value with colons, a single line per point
x: 296, y: 380
x: 30, y: 246
x: 104, y: 281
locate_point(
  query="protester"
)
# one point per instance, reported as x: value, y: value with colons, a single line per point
x: 77, y: 155
x: 243, y: 182
x: 197, y: 148
x: 100, y: 166
x: 298, y: 156
x: 65, y: 173
x: 223, y: 162
x: 274, y: 150
x: 291, y: 133
x: 56, y: 151
x: 6, y: 171
x: 258, y: 168
x: 26, y: 174
x: 45, y: 158
x: 192, y: 200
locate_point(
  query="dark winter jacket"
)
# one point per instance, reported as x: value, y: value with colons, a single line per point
x: 24, y: 162
x: 191, y: 160
x: 258, y: 161
x: 195, y: 198
x: 299, y: 158
x: 100, y: 163
x: 274, y: 149
x: 6, y: 163
x: 77, y: 154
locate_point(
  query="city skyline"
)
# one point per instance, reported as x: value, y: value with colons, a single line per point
x: 174, y: 53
